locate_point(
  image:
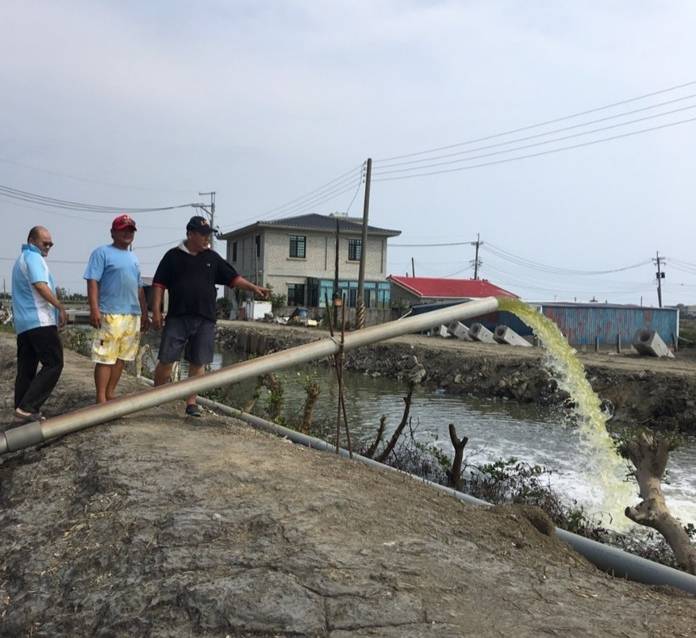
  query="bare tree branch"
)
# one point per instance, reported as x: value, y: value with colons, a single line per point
x: 649, y: 453
x: 404, y: 420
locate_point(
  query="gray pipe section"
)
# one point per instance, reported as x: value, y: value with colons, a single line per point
x: 31, y: 434
x: 609, y: 559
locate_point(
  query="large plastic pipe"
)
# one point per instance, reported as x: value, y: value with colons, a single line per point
x: 609, y: 559
x: 33, y: 433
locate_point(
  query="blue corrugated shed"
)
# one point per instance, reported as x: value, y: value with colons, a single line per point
x: 582, y: 323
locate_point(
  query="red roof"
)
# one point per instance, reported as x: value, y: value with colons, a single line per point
x: 438, y: 288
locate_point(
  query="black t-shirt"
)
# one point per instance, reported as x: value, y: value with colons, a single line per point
x: 191, y: 279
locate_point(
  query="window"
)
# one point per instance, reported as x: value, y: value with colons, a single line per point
x: 234, y: 251
x: 258, y: 245
x: 296, y: 294
x: 354, y: 249
x: 298, y: 246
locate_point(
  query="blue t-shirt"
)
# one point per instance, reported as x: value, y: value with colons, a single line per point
x: 29, y: 308
x: 117, y: 272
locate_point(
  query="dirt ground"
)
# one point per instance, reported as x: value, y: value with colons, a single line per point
x: 155, y: 525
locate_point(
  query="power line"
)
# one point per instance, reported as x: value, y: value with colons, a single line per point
x: 456, y: 243
x: 94, y: 220
x: 52, y: 202
x: 318, y: 192
x: 539, y: 124
x: 547, y: 133
x: 534, y: 265
x: 6, y: 160
x: 539, y: 154
x: 535, y: 144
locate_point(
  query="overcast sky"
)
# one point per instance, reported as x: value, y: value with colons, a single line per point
x: 143, y: 104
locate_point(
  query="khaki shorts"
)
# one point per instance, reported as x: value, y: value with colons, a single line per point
x: 118, y: 338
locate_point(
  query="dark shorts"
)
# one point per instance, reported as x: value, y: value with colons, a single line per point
x: 196, y: 334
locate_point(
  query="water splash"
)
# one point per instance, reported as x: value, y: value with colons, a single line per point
x: 605, y: 469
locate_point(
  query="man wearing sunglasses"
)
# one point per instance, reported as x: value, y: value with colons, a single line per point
x: 117, y: 306
x: 37, y: 315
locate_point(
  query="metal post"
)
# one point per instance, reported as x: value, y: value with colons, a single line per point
x: 336, y: 292
x: 660, y: 276
x: 477, y: 243
x: 211, y: 216
x: 360, y: 305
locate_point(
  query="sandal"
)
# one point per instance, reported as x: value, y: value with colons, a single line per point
x: 21, y: 417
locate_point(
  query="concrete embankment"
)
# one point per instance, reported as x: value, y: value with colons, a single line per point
x: 642, y: 390
x: 154, y: 525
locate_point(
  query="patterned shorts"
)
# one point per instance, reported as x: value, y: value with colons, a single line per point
x: 118, y: 338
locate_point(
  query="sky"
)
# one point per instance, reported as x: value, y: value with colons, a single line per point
x: 276, y: 105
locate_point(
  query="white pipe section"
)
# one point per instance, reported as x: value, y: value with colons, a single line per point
x: 33, y: 433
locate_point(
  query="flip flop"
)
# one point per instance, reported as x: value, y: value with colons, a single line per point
x: 29, y: 418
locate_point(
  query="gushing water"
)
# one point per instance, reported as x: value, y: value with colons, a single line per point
x: 605, y: 468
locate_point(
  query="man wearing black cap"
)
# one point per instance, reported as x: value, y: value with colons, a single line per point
x: 190, y: 273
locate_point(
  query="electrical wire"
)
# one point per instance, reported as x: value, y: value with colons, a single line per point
x: 455, y: 243
x: 539, y: 154
x: 522, y: 261
x: 535, y: 144
x: 317, y: 200
x: 540, y: 124
x: 310, y: 195
x: 357, y: 190
x: 42, y: 200
x: 6, y: 160
x: 419, y: 164
x: 93, y: 220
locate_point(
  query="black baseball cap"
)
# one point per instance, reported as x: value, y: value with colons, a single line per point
x: 199, y: 225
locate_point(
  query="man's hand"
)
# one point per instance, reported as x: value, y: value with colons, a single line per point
x: 156, y: 320
x: 264, y: 293
x: 144, y: 322
x: 95, y: 318
x: 62, y: 317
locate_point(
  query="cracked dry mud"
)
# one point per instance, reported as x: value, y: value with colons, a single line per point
x: 153, y: 526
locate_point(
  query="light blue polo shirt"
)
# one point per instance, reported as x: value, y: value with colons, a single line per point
x: 29, y: 308
x: 118, y: 273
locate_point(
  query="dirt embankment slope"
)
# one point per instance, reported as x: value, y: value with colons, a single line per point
x: 154, y: 526
x: 642, y: 390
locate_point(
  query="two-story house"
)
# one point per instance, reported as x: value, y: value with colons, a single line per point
x: 296, y: 256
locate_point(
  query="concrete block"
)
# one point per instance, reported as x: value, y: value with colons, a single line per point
x: 479, y: 332
x: 648, y: 342
x: 459, y: 330
x: 504, y: 334
x: 443, y: 332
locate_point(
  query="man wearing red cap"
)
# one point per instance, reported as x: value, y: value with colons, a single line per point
x: 117, y: 306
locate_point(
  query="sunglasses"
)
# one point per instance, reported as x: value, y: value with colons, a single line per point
x: 47, y: 244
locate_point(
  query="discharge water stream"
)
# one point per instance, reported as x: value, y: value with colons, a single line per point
x: 603, y: 465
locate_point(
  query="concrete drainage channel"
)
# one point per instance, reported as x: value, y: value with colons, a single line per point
x: 609, y: 559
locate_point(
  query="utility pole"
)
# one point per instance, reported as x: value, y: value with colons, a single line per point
x: 477, y: 263
x: 660, y: 276
x: 337, y: 296
x: 209, y: 210
x: 360, y: 305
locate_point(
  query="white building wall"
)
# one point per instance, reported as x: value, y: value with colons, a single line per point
x: 277, y: 268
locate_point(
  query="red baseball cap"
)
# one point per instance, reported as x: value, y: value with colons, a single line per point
x: 122, y: 222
